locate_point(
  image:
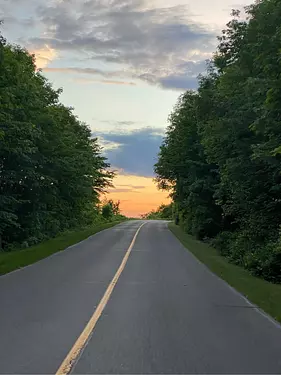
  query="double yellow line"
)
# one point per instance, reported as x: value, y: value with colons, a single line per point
x: 82, y: 340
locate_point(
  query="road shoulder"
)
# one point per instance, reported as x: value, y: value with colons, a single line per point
x: 17, y: 259
x: 263, y: 294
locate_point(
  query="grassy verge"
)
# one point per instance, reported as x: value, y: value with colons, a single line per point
x: 260, y: 292
x: 21, y: 258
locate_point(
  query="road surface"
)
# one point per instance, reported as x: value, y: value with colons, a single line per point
x: 167, y: 313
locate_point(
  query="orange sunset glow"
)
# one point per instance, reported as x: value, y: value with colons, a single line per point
x: 137, y: 195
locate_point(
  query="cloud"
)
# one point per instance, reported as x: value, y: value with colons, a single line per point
x: 106, y: 144
x: 117, y: 123
x: 44, y: 56
x: 123, y: 190
x: 102, y: 81
x: 179, y: 81
x: 134, y: 186
x: 107, y: 82
x: 159, y: 45
x: 115, y: 126
x: 137, y: 151
x: 14, y: 21
x: 81, y: 71
x: 125, y: 123
x: 127, y: 188
x: 150, y: 197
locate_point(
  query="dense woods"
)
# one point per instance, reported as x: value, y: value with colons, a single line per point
x: 51, y: 168
x: 220, y: 158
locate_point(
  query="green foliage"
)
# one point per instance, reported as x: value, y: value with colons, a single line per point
x: 162, y: 212
x: 183, y: 169
x: 220, y: 158
x: 110, y: 210
x: 51, y: 169
x: 107, y: 212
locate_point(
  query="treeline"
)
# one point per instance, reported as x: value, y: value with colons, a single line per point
x: 220, y: 158
x: 51, y: 169
x: 165, y: 211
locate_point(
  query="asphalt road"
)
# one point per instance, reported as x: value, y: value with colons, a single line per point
x: 167, y: 313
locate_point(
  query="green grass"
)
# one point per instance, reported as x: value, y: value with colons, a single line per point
x: 21, y: 258
x: 260, y: 292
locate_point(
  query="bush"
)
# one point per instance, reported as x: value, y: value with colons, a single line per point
x: 107, y: 212
x: 222, y: 243
x: 262, y: 260
x: 265, y: 262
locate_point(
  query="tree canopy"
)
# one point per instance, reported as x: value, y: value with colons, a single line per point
x: 220, y: 158
x: 51, y: 168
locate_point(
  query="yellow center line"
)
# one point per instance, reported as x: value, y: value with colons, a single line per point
x: 82, y: 340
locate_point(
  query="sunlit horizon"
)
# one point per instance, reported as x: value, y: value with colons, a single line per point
x: 137, y: 195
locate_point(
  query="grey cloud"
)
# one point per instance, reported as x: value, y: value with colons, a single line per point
x: 104, y: 81
x: 79, y: 71
x: 8, y: 13
x: 155, y: 44
x: 10, y: 20
x: 111, y: 82
x: 137, y: 152
x: 91, y: 71
x: 180, y: 82
x: 117, y: 123
x: 177, y: 82
x: 137, y: 187
x: 117, y: 126
x: 126, y: 123
x: 123, y: 191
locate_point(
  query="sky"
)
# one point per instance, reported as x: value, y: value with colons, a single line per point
x: 122, y: 65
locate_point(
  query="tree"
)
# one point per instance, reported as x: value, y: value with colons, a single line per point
x: 111, y: 209
x: 183, y: 170
x: 51, y: 169
x: 165, y: 211
x: 220, y: 158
